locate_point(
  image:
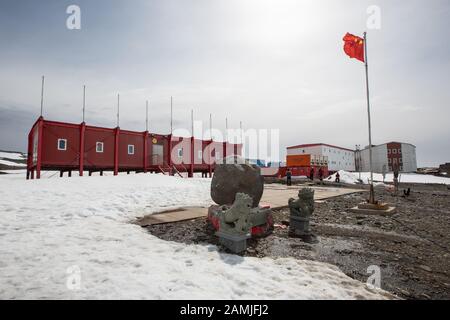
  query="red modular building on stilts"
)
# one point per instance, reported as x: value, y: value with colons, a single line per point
x: 67, y: 147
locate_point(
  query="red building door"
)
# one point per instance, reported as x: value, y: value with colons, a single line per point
x: 157, y: 155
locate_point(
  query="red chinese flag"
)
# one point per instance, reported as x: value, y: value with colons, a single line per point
x: 354, y: 46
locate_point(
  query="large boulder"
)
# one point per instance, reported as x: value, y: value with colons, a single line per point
x: 230, y: 179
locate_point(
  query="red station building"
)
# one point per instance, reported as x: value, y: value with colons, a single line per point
x: 67, y: 147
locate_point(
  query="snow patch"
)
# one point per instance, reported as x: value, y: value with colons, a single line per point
x: 352, y: 178
x: 345, y: 177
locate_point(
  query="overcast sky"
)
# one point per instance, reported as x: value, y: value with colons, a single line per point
x: 271, y: 64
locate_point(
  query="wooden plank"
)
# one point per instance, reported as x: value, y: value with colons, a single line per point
x: 173, y: 216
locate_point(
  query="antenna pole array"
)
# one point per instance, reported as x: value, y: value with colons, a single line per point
x: 210, y: 126
x: 118, y: 110
x: 240, y: 125
x: 84, y: 102
x: 42, y: 96
x: 146, y: 115
x: 226, y: 129
x: 171, y: 115
x: 192, y: 122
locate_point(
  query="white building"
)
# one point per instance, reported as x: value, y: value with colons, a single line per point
x: 388, y: 157
x: 338, y: 158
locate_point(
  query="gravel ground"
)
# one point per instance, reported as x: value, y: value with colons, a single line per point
x: 411, y: 247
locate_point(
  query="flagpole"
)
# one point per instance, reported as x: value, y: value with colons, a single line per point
x: 372, y: 193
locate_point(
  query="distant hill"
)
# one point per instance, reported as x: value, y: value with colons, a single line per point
x: 12, y: 160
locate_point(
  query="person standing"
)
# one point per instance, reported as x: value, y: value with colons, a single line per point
x: 311, y: 174
x: 396, y: 184
x: 384, y: 173
x: 320, y: 174
x: 338, y: 177
x: 288, y: 177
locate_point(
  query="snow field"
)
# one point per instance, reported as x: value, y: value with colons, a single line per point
x: 72, y: 238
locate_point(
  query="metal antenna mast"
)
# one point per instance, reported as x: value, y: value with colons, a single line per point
x: 146, y: 115
x: 118, y: 110
x: 171, y: 115
x: 84, y: 101
x: 42, y: 96
x: 240, y: 125
x: 226, y: 129
x: 210, y: 126
x: 192, y: 122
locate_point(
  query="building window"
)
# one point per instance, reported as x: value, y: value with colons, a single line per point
x: 390, y: 168
x: 389, y: 160
x: 401, y: 168
x: 130, y: 149
x: 400, y: 160
x: 180, y: 153
x: 399, y: 151
x: 200, y: 154
x: 99, y: 147
x: 389, y: 151
x: 62, y: 144
x: 394, y: 151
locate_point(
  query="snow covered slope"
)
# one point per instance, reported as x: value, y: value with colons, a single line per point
x: 12, y: 164
x: 11, y: 160
x: 72, y: 238
x: 12, y: 155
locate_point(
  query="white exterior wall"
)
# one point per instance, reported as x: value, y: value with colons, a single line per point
x: 316, y: 150
x: 409, y: 158
x: 338, y: 159
x: 379, y: 158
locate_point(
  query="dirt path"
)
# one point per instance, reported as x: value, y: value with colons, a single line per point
x: 411, y: 247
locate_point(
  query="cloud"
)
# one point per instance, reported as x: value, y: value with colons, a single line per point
x: 15, y: 123
x: 269, y: 64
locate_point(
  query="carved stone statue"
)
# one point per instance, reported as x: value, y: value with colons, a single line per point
x: 304, y: 205
x: 237, y: 189
x: 235, y: 220
x: 301, y: 210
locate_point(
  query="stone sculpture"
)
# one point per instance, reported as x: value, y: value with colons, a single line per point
x: 237, y: 189
x: 301, y: 210
x: 229, y: 179
x: 236, y: 219
x: 235, y: 224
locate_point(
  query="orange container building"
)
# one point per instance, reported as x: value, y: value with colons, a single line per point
x: 298, y: 160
